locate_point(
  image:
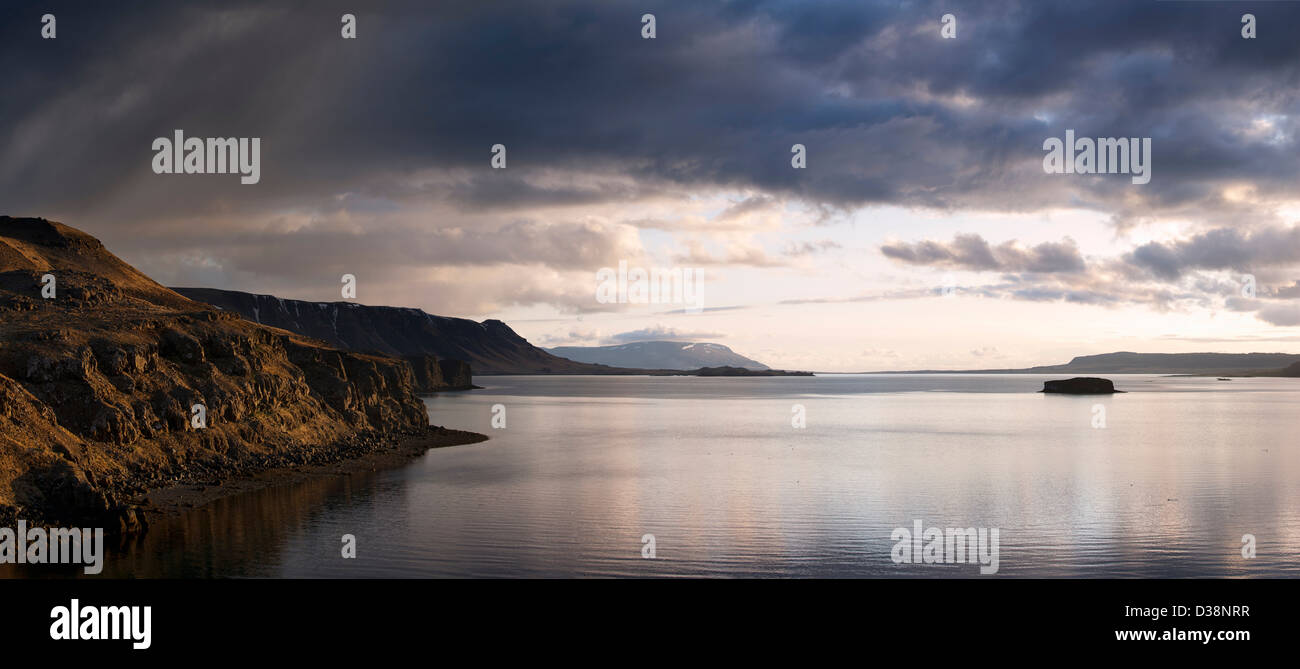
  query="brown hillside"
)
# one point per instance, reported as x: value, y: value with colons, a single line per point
x: 97, y: 386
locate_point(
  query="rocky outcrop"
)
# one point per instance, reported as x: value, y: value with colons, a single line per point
x: 456, y: 375
x: 433, y: 375
x: 103, y: 386
x: 428, y: 375
x: 1081, y: 385
x: 39, y: 471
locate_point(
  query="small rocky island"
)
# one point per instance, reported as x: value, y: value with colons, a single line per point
x: 1081, y: 385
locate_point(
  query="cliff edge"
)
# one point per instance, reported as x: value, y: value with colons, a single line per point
x: 111, y: 384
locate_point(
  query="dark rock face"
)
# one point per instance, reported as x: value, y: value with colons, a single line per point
x: 428, y: 374
x: 96, y: 395
x: 433, y: 375
x: 491, y: 347
x: 1081, y: 385
x: 455, y: 374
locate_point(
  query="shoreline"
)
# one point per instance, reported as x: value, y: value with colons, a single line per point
x: 174, y: 500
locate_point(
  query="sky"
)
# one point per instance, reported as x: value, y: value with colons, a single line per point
x: 923, y: 231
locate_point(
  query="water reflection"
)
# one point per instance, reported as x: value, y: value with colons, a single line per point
x: 244, y: 535
x: 712, y: 468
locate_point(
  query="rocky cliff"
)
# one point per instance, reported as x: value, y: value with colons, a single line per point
x: 490, y: 347
x: 432, y: 374
x: 103, y: 384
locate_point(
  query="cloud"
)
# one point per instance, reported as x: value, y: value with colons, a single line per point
x: 576, y: 337
x: 799, y: 249
x: 1282, y: 314
x: 1220, y: 248
x: 746, y: 207
x: 889, y: 112
x: 660, y: 333
x: 376, y: 151
x: 972, y: 252
x: 739, y: 251
x: 1208, y: 270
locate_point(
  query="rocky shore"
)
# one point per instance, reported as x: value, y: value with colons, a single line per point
x: 113, y: 387
x: 182, y: 496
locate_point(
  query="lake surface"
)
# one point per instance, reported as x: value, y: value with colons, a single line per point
x: 1162, y: 481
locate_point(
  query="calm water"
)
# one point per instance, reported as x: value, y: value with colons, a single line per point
x: 586, y: 466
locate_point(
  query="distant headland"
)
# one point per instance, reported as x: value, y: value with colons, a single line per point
x: 1127, y: 362
x: 728, y: 371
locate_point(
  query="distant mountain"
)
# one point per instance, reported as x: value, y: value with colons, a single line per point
x: 1126, y: 362
x: 673, y: 355
x: 490, y: 347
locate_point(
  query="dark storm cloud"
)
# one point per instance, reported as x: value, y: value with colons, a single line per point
x: 573, y: 246
x: 401, y: 120
x: 717, y: 99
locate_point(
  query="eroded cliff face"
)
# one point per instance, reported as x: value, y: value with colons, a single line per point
x: 490, y: 347
x: 456, y: 374
x: 99, y: 384
x: 433, y: 375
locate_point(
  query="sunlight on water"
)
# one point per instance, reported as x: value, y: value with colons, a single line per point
x: 1182, y: 469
